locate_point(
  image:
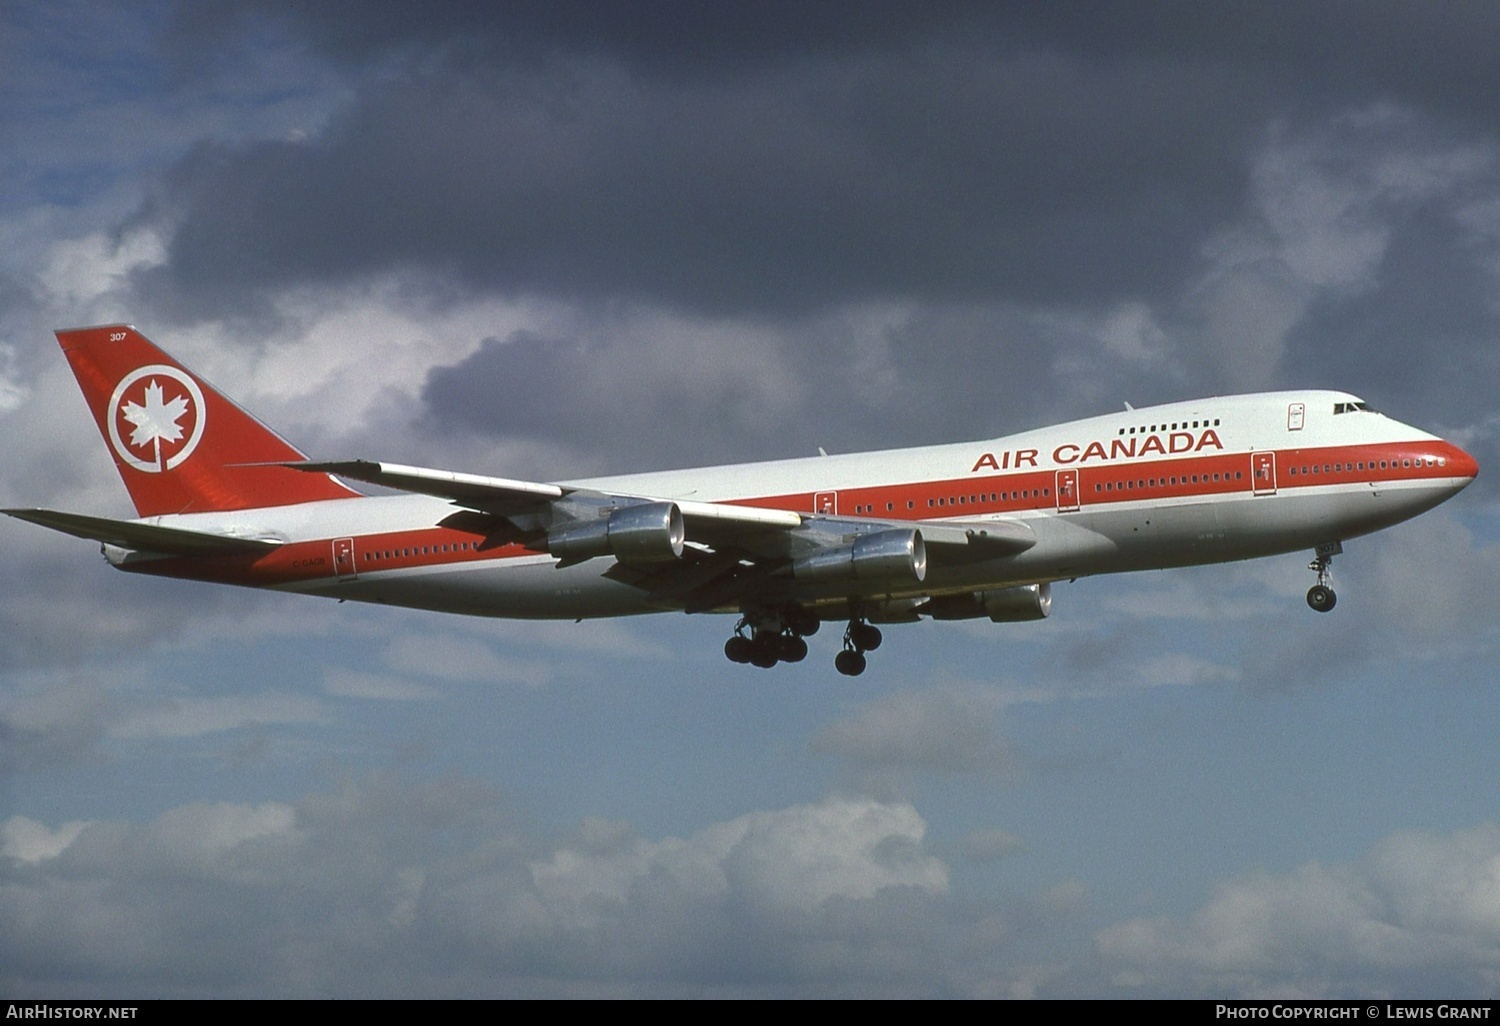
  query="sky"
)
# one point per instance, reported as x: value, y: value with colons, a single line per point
x: 549, y: 240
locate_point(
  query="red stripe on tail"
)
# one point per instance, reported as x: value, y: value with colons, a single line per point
x: 180, y: 445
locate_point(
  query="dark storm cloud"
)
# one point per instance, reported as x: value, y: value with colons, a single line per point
x: 607, y: 401
x: 671, y: 37
x: 777, y: 157
x: 639, y: 401
x: 1420, y: 344
x: 1348, y: 47
x: 943, y: 167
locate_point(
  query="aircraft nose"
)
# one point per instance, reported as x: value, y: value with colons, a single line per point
x: 1462, y: 464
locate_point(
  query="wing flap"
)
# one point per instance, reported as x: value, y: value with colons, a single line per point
x: 130, y: 534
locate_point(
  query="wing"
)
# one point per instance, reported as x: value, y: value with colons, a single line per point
x: 699, y: 555
x: 506, y: 498
x: 131, y: 534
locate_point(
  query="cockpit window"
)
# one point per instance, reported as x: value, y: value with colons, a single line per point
x: 1355, y: 407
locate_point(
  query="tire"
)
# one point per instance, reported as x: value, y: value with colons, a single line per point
x: 738, y: 649
x: 866, y: 637
x: 849, y: 663
x: 1321, y: 598
x: 763, y: 652
x: 792, y: 649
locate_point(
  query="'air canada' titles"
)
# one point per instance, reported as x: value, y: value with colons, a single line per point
x: 1128, y: 447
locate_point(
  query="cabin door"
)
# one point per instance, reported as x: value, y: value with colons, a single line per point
x: 1263, y: 472
x: 343, y: 559
x: 1067, y: 490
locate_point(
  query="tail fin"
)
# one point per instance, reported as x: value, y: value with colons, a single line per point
x: 179, y: 444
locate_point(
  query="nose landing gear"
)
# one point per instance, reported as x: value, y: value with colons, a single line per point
x: 1320, y: 596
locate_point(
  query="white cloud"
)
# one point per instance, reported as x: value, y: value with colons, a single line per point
x: 951, y: 729
x: 13, y: 391
x: 453, y: 657
x: 347, y: 683
x: 335, y: 893
x: 797, y: 858
x: 1417, y: 907
x: 179, y: 717
x: 1324, y: 201
x: 80, y: 274
x: 30, y: 841
x: 1131, y: 331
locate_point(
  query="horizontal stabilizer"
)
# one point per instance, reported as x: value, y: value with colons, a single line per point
x: 130, y: 534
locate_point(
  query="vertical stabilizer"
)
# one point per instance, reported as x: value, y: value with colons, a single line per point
x: 179, y: 444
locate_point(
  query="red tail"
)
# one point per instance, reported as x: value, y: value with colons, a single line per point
x: 180, y: 445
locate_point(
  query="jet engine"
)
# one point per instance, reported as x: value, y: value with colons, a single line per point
x: 885, y: 557
x: 651, y: 532
x: 1002, y: 605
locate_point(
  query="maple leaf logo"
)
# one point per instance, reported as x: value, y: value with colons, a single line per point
x: 156, y: 421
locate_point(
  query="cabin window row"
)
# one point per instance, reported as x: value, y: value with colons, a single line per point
x: 1184, y: 425
x: 964, y: 500
x: 890, y: 507
x: 421, y: 550
x: 1359, y: 465
x: 1166, y: 482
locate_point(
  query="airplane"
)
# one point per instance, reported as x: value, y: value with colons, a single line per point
x: 947, y: 532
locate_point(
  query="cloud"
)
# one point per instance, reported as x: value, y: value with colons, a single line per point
x: 29, y: 841
x: 942, y: 730
x: 387, y: 887
x: 1418, y: 915
x: 989, y: 845
x: 346, y: 683
x: 789, y: 188
x: 190, y: 716
x: 794, y: 859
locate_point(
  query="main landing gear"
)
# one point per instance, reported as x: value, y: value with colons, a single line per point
x: 859, y: 638
x: 1320, y: 596
x: 765, y: 639
x: 773, y: 639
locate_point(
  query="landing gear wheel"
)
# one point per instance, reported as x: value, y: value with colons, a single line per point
x: 849, y: 662
x: 1321, y: 597
x: 859, y: 638
x: 864, y: 636
x: 763, y: 651
x: 791, y: 648
x: 739, y: 649
x: 802, y: 622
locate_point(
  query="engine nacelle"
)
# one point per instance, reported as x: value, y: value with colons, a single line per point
x: 886, y: 557
x: 652, y: 532
x: 1002, y: 605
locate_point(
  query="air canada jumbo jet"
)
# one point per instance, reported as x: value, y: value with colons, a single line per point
x: 949, y: 532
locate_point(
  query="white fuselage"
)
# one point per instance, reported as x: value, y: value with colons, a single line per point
x: 1198, y: 482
